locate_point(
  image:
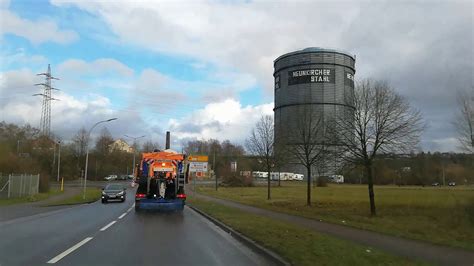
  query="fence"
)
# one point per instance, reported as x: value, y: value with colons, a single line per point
x: 15, y: 186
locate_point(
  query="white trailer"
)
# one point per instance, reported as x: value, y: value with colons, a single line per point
x: 339, y: 179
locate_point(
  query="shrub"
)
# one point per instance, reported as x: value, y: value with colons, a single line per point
x: 321, y: 182
x: 237, y: 181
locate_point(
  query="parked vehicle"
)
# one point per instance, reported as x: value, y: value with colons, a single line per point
x: 123, y: 177
x: 111, y: 177
x: 339, y: 179
x: 435, y: 184
x: 258, y: 174
x: 452, y: 184
x: 114, y: 192
x: 298, y: 177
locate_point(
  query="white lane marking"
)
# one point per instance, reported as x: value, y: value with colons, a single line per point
x: 123, y: 214
x: 133, y: 205
x: 68, y: 251
x: 107, y: 226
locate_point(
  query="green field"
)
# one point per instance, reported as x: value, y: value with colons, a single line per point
x: 298, y: 245
x: 92, y: 194
x: 32, y: 198
x: 439, y: 215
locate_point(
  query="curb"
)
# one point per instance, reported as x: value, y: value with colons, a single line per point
x: 268, y: 254
x: 69, y: 204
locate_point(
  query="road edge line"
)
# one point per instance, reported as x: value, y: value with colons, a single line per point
x: 69, y: 250
x: 272, y: 256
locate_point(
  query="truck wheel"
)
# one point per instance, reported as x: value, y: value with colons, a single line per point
x: 104, y: 201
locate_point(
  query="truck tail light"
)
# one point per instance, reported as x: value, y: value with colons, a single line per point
x: 140, y: 196
x: 181, y: 196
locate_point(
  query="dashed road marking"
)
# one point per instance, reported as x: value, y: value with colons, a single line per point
x: 123, y: 214
x: 107, y: 226
x: 69, y: 250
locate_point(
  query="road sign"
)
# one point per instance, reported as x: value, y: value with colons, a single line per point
x: 198, y: 158
x: 197, y: 167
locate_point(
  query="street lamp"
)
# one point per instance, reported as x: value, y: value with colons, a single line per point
x: 134, y: 141
x: 59, y: 158
x: 87, y: 152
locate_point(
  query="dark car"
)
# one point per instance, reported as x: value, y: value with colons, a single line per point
x: 114, y: 192
x: 452, y: 184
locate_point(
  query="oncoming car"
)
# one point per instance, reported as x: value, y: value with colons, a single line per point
x: 114, y: 192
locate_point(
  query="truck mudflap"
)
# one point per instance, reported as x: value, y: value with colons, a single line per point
x: 160, y: 204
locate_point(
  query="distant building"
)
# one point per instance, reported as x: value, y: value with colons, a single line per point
x: 121, y: 145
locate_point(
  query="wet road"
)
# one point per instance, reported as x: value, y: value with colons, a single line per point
x: 113, y: 234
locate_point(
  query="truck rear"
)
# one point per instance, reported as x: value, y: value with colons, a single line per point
x: 160, y: 178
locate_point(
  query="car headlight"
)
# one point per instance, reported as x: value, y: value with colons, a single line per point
x: 120, y: 193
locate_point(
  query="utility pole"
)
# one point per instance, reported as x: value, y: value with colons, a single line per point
x: 134, y: 151
x: 45, y: 123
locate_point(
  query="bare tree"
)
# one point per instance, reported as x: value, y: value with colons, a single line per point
x: 306, y: 142
x: 464, y: 120
x: 261, y: 144
x: 382, y: 122
x: 104, y: 142
x: 80, y: 142
x: 149, y: 146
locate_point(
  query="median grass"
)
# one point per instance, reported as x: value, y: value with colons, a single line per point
x: 439, y: 215
x: 92, y: 194
x: 32, y: 198
x: 298, y: 245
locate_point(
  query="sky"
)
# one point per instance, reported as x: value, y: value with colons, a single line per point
x: 203, y: 69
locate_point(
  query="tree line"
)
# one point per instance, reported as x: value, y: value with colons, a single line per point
x: 24, y: 150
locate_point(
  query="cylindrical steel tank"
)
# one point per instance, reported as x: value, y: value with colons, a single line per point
x: 318, y: 79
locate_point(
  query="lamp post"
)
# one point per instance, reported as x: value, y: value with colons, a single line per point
x: 87, y: 152
x: 134, y: 141
x: 59, y: 158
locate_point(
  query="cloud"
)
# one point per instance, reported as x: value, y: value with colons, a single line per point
x: 70, y: 113
x: 36, y: 32
x: 223, y: 120
x: 424, y: 49
x: 98, y: 67
x: 20, y: 57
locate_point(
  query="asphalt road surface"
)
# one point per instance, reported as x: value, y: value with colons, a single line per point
x: 113, y: 234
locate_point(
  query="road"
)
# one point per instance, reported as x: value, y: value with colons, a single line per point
x: 113, y: 234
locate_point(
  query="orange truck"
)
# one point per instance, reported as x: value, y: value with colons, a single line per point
x: 161, y: 181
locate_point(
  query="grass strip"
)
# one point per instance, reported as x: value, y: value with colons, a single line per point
x: 32, y: 198
x: 437, y: 215
x: 298, y: 245
x: 92, y: 194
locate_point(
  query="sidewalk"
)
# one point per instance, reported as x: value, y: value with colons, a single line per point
x: 31, y: 208
x: 413, y: 249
